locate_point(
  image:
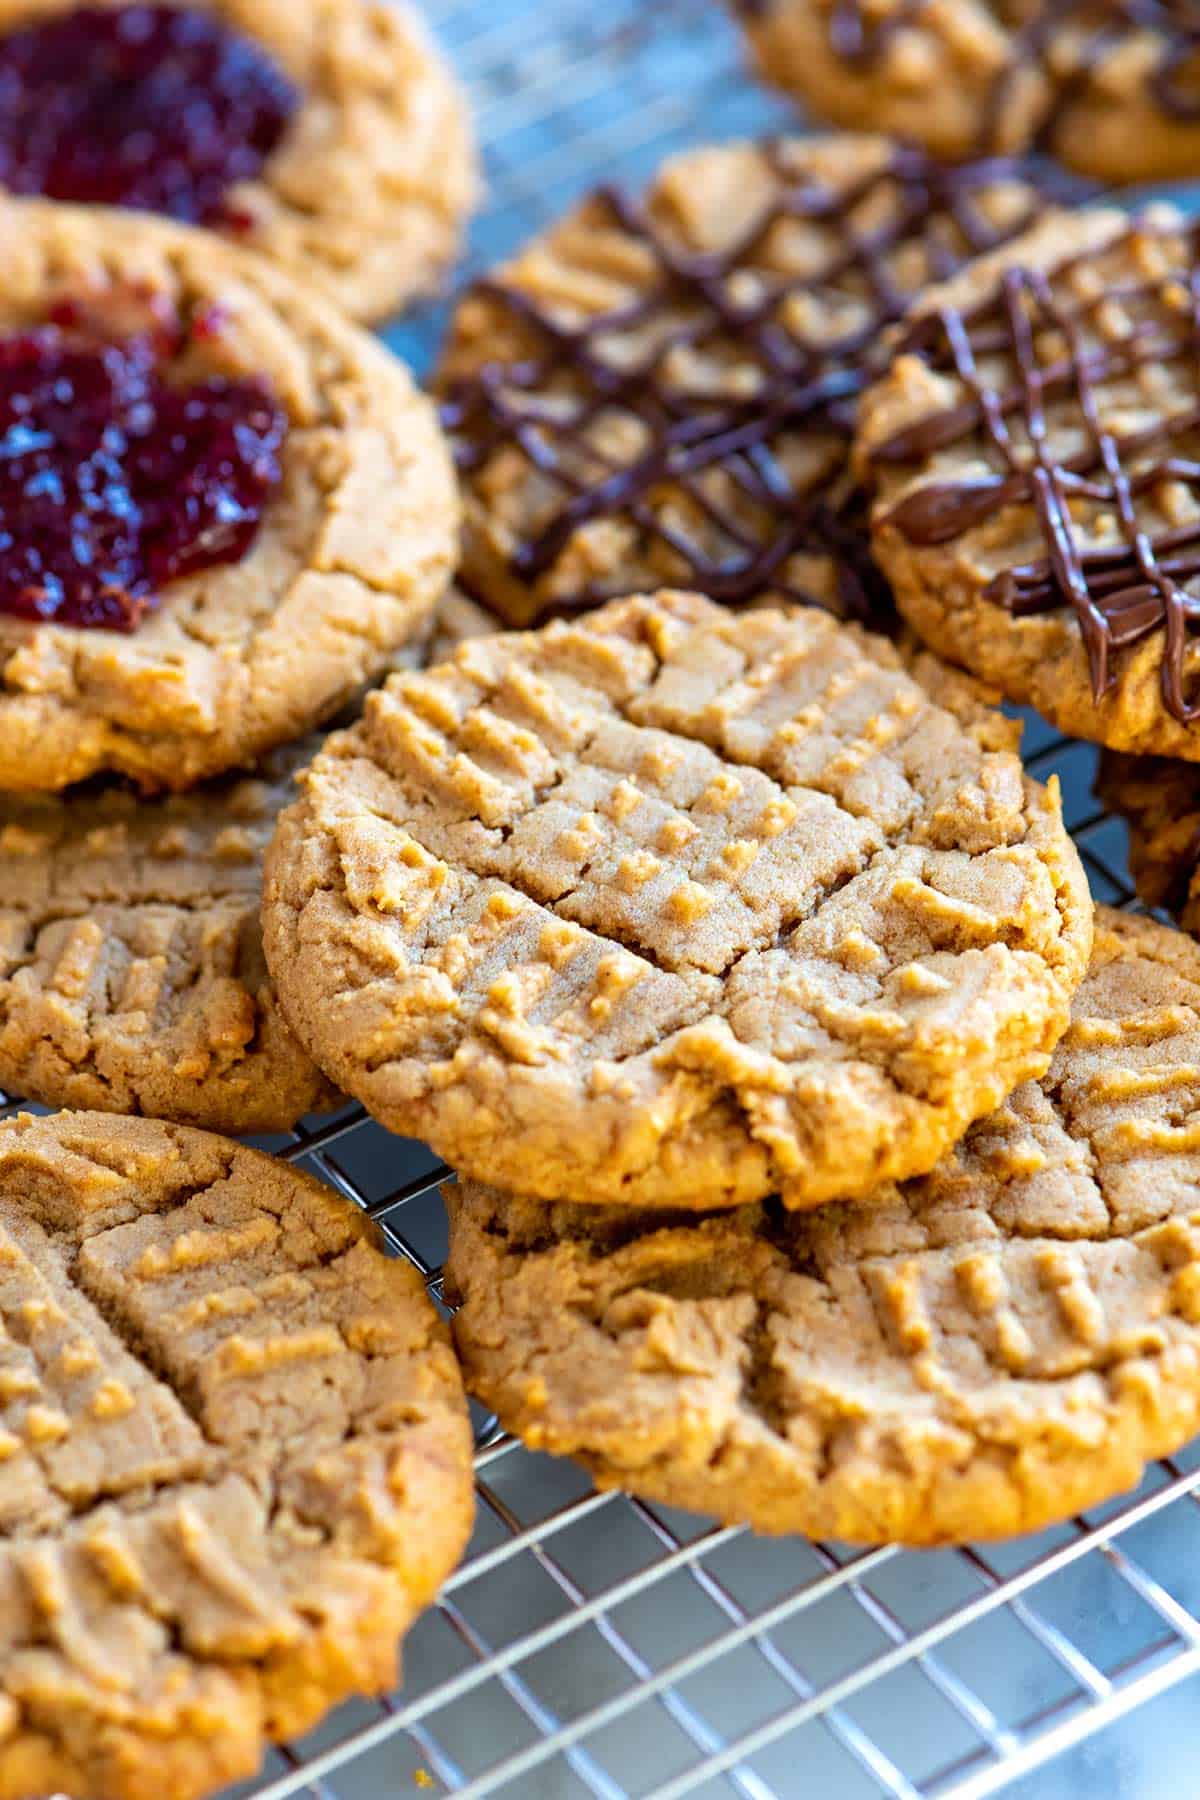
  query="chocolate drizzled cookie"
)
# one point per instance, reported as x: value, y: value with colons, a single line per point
x: 1110, y: 86
x: 664, y: 388
x: 1036, y: 446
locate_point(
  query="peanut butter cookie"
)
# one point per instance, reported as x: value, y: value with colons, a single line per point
x: 977, y: 1353
x: 1035, y: 449
x: 256, y: 512
x: 673, y: 906
x: 661, y: 390
x: 236, y: 1457
x: 1159, y: 798
x: 132, y: 976
x: 972, y: 702
x: 1112, y: 87
x: 326, y: 134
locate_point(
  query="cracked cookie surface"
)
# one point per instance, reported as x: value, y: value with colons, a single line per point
x: 660, y: 390
x: 1033, y: 451
x: 993, y: 1347
x: 365, y: 196
x: 975, y: 705
x: 1108, y: 88
x: 235, y: 1461
x: 354, y: 551
x: 674, y: 906
x: 132, y: 975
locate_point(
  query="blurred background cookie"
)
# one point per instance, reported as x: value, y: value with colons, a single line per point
x: 1113, y: 89
x: 327, y: 134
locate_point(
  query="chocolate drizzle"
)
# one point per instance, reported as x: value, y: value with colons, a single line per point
x: 723, y: 452
x: 1122, y: 592
x: 859, y: 36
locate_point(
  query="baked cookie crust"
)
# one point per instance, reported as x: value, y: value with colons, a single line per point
x: 132, y: 975
x: 237, y: 1459
x: 1109, y: 89
x: 676, y: 907
x: 365, y: 198
x: 355, y: 549
x: 975, y: 705
x: 1033, y: 450
x: 978, y: 1353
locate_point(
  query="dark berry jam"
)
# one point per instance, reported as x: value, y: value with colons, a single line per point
x: 147, y: 106
x: 113, y: 482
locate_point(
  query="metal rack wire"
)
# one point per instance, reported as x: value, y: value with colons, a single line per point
x: 594, y: 1645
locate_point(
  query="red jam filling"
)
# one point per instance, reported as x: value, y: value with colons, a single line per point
x: 148, y: 106
x: 113, y: 482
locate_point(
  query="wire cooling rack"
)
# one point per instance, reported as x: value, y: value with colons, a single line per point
x: 592, y: 1645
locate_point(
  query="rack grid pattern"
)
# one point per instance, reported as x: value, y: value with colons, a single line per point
x: 592, y: 1645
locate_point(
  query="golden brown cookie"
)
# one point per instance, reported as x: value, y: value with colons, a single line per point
x: 458, y: 618
x: 1159, y: 798
x: 1112, y: 87
x: 236, y: 1457
x: 358, y: 167
x: 660, y: 391
x: 1034, y: 447
x: 972, y: 702
x: 977, y: 1353
x: 132, y: 976
x: 354, y: 550
x: 673, y: 906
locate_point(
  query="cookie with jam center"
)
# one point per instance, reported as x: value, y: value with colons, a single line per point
x: 326, y: 134
x: 229, y: 507
x: 237, y: 1458
x: 1033, y: 454
x: 1111, y: 89
x: 674, y: 906
x: 982, y: 1352
x: 660, y: 391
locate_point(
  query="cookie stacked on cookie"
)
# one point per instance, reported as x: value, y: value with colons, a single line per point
x: 235, y: 1455
x: 986, y: 1349
x: 693, y: 939
x: 235, y: 510
x: 815, y: 1168
x: 325, y: 135
x: 825, y: 1162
